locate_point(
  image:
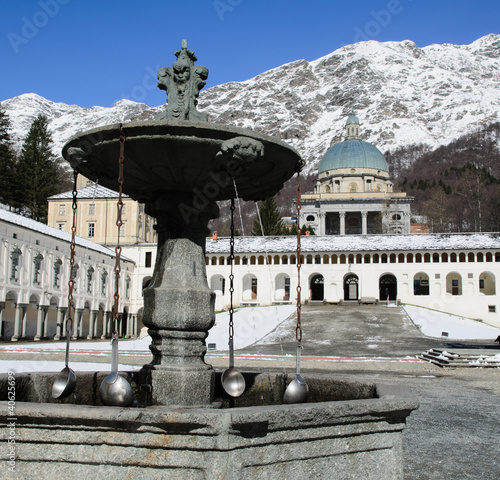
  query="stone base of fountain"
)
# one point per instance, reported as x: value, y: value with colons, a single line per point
x: 348, y: 430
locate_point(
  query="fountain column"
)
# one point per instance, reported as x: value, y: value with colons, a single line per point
x: 178, y: 303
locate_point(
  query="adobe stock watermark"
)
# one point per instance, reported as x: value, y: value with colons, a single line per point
x: 224, y: 6
x: 31, y: 26
x: 11, y: 421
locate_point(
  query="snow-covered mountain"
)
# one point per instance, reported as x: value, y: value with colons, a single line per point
x: 402, y: 95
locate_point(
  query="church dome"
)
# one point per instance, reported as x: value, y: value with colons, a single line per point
x: 352, y: 119
x: 353, y: 153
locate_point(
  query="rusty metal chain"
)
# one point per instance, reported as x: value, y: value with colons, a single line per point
x: 71, y: 282
x: 298, y: 329
x: 119, y: 223
x: 231, y: 275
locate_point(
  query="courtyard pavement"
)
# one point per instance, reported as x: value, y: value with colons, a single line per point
x: 454, y: 435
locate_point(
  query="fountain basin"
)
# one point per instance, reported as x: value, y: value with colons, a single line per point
x: 184, y: 156
x: 347, y: 430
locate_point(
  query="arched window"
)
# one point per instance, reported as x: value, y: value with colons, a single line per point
x: 334, y: 259
x: 376, y: 258
x: 317, y: 287
x: 249, y: 287
x: 282, y: 291
x: 421, y: 284
x: 326, y: 259
x: 218, y: 284
x: 310, y: 218
x: 444, y: 258
x: 418, y: 258
x: 454, y: 284
x: 388, y: 287
x: 367, y: 258
x: 37, y: 264
x: 276, y: 260
x: 351, y: 287
x: 409, y: 258
x: 480, y: 257
x: 401, y: 258
x: 261, y: 260
x: 462, y: 258
x: 470, y: 257
x: 487, y: 283
x: 427, y: 258
x: 453, y: 257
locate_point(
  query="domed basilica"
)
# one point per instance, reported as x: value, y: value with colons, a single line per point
x: 354, y: 192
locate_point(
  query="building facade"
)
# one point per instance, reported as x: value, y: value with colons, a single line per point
x: 34, y: 284
x: 97, y: 209
x: 453, y: 273
x: 354, y: 192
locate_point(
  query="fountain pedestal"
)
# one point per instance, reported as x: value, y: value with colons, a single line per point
x: 179, y: 305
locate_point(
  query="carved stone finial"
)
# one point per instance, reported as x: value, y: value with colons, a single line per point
x: 182, y: 82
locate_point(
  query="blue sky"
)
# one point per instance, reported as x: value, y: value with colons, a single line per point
x: 90, y: 52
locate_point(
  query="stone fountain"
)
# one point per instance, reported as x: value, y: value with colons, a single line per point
x: 183, y: 425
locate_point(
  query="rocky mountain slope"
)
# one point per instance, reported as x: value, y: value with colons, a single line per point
x: 402, y: 94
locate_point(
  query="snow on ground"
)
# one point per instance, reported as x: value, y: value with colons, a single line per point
x: 433, y: 323
x: 250, y: 326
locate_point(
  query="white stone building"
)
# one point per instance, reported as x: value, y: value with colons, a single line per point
x: 34, y: 276
x: 454, y: 273
x: 354, y: 192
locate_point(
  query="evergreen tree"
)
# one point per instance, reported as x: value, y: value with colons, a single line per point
x: 38, y: 170
x: 307, y: 228
x: 271, y: 219
x: 7, y: 162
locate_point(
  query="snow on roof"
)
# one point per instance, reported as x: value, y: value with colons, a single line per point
x: 43, y: 229
x: 358, y: 243
x: 90, y: 192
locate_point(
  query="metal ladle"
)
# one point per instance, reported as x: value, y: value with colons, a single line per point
x: 297, y: 390
x: 233, y: 381
x: 65, y: 382
x: 115, y: 390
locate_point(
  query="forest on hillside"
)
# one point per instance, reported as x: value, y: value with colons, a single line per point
x: 457, y: 186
